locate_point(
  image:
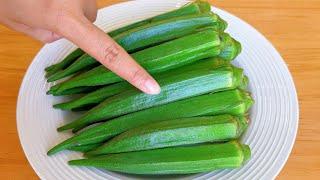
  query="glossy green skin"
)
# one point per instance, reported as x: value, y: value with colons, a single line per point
x: 84, y: 108
x: 192, y: 8
x: 185, y: 82
x: 146, y: 36
x: 158, y: 32
x: 95, y: 97
x: 85, y: 148
x: 185, y: 131
x: 85, y: 61
x: 189, y: 9
x: 228, y: 50
x: 245, y: 83
x: 234, y: 102
x: 170, y: 55
x: 77, y: 90
x: 231, y: 48
x: 173, y: 160
x: 64, y: 63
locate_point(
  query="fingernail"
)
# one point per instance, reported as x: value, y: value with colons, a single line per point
x: 152, y: 87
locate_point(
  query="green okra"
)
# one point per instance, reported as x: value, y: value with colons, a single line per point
x: 95, y: 97
x: 64, y: 63
x: 157, y: 59
x: 77, y: 90
x: 162, y: 31
x: 234, y: 102
x: 231, y: 47
x: 146, y: 36
x: 184, y: 131
x: 185, y: 82
x: 245, y: 83
x: 85, y: 148
x: 196, y: 7
x: 98, y: 96
x: 83, y: 62
x: 173, y: 160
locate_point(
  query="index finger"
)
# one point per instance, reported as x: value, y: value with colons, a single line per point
x: 102, y: 47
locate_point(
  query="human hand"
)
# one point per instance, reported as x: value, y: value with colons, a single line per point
x: 49, y: 20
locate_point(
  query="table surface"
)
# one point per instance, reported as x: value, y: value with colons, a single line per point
x: 291, y: 25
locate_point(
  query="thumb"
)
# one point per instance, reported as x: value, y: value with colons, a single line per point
x: 102, y: 47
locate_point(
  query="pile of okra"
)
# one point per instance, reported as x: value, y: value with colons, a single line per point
x: 193, y: 126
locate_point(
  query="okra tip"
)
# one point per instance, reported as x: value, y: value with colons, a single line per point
x: 53, y: 151
x: 48, y: 74
x: 61, y: 106
x: 238, y: 46
x: 50, y: 68
x: 222, y: 24
x: 75, y: 130
x: 77, y: 162
x: 245, y: 82
x: 246, y: 153
x: 53, y: 93
x: 72, y: 162
x: 49, y: 92
x: 53, y: 78
x: 60, y: 147
x: 53, y: 89
x: 204, y: 6
x: 72, y: 125
x: 93, y: 153
x: 90, y: 154
x: 64, y: 128
x: 243, y: 124
x: 230, y: 47
x: 47, y: 68
x: 249, y: 101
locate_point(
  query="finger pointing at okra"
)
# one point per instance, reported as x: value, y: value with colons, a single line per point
x: 103, y: 48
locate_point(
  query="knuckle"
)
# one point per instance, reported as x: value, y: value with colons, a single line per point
x: 110, y: 54
x: 49, y: 37
x: 47, y: 40
x: 93, y: 18
x: 138, y: 77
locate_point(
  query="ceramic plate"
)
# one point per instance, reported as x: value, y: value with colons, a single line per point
x: 274, y: 117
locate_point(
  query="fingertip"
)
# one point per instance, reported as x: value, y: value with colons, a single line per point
x: 151, y: 87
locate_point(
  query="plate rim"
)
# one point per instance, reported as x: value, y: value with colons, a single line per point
x: 290, y: 79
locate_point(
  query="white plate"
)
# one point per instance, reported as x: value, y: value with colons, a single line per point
x: 274, y: 117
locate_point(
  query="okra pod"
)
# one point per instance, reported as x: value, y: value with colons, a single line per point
x: 184, y: 131
x: 234, y: 102
x: 196, y: 7
x: 157, y: 59
x: 173, y: 160
x: 146, y: 36
x: 196, y: 79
